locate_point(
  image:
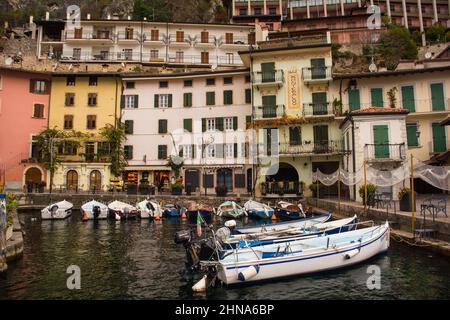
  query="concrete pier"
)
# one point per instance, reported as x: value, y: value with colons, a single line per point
x: 14, y: 246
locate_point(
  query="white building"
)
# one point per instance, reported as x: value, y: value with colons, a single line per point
x: 199, y: 116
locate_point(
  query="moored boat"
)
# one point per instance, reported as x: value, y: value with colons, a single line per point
x: 121, y: 210
x: 230, y: 209
x: 94, y: 210
x: 205, y: 210
x: 173, y: 211
x: 148, y: 209
x: 57, y: 211
x: 289, y: 211
x: 258, y: 210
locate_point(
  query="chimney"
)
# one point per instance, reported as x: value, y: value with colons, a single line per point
x: 47, y: 16
x: 88, y: 16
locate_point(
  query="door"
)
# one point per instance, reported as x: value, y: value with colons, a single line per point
x: 192, y: 177
x: 439, y: 139
x: 77, y: 53
x: 318, y: 70
x: 408, y: 98
x: 321, y: 139
x: 381, y: 141
x: 180, y: 36
x: 129, y: 33
x: 269, y: 107
x: 78, y: 33
x: 179, y: 56
x: 225, y: 178
x: 249, y: 180
x: 437, y: 96
x: 319, y: 103
x: 95, y: 180
x: 205, y: 57
x: 90, y: 151
x: 228, y: 38
x: 268, y: 72
x: 72, y: 180
x: 205, y: 37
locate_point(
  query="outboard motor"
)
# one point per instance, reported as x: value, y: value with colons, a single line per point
x: 184, y: 237
x: 96, y: 211
x: 150, y: 206
x: 126, y: 212
x: 230, y: 224
x: 53, y: 210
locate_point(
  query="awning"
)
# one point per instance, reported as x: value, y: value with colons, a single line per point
x: 147, y: 168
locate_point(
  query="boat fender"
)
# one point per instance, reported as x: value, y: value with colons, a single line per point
x: 351, y: 254
x: 248, y: 273
x: 200, y: 286
x: 274, y: 217
x: 230, y: 224
x: 85, y: 216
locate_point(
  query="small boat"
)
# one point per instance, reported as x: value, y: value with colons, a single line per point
x: 149, y: 209
x: 121, y: 210
x: 299, y: 257
x: 258, y: 210
x: 173, y: 210
x: 58, y: 210
x: 320, y: 229
x: 205, y: 210
x: 289, y: 211
x: 94, y: 210
x: 230, y: 209
x: 307, y: 222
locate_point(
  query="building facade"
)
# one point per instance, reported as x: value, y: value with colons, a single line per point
x: 200, y: 117
x: 84, y: 104
x: 24, y: 112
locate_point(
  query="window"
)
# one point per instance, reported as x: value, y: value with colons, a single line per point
x: 408, y: 98
x: 211, y: 124
x: 228, y: 97
x: 248, y: 95
x: 162, y: 152
x: 38, y: 86
x: 228, y: 123
x: 272, y: 11
x: 93, y: 81
x: 229, y: 150
x: 437, y: 96
x: 243, y: 12
x: 70, y: 81
x: 204, y: 36
x: 154, y: 54
x: 187, y: 125
x: 163, y: 101
x: 187, y: 99
x: 229, y: 58
x: 210, y: 82
x: 68, y: 122
x: 163, y: 84
x: 179, y: 56
x: 180, y: 36
x: 229, y: 38
x: 91, y: 122
x: 130, y: 101
x: 411, y: 134
x: 210, y: 98
x: 130, y: 85
x: 129, y: 33
x: 127, y: 54
x: 295, y: 136
x: 70, y: 99
x: 76, y: 53
x: 257, y: 11
x: 247, y: 79
x: 188, y: 83
x: 154, y: 34
x: 376, y: 97
x: 353, y: 99
x: 211, y: 151
x: 162, y: 126
x: 205, y: 57
x: 128, y: 151
x: 67, y: 148
x: 187, y: 151
x: 129, y: 126
x: 38, y: 111
x: 92, y: 99
x: 228, y: 80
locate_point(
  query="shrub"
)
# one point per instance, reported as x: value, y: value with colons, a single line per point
x: 221, y: 190
x: 371, y: 189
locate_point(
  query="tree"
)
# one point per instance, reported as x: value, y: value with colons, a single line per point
x: 115, y: 136
x: 396, y: 44
x: 153, y: 10
x: 436, y: 33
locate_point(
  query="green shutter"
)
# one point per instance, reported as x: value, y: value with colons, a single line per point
x: 381, y: 141
x: 354, y: 100
x: 203, y: 124
x: 235, y: 150
x: 136, y: 100
x: 439, y: 140
x: 210, y: 98
x: 411, y: 134
x: 156, y: 100
x: 187, y: 123
x: 269, y: 106
x: 228, y: 97
x: 248, y: 95
x: 180, y: 152
x: 219, y: 124
x: 437, y: 96
x: 122, y: 101
x: 319, y: 100
x: 377, y: 97
x: 408, y: 98
x: 248, y: 119
x: 187, y: 99
x: 268, y: 72
x: 170, y: 101
x: 235, y: 123
x: 193, y: 151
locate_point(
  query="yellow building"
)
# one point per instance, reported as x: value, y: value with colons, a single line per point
x: 84, y: 103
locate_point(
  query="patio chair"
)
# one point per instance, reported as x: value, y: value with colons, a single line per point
x: 435, y: 204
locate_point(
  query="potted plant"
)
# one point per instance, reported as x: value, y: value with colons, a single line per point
x: 405, y: 197
x: 176, y: 189
x: 337, y: 107
x: 371, y: 189
x: 392, y: 97
x: 221, y: 191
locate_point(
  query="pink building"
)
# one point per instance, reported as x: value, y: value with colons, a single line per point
x: 24, y: 103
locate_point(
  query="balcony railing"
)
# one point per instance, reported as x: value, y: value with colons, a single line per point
x: 123, y: 35
x: 71, y: 35
x: 385, y: 152
x: 229, y: 60
x: 104, y: 56
x: 281, y: 187
x: 276, y: 76
x: 316, y: 73
x: 147, y: 36
x: 312, y: 147
x: 97, y: 158
x: 317, y: 109
x: 269, y: 112
x: 176, y: 39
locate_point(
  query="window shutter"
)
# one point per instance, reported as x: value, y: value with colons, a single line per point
x: 170, y: 101
x: 219, y: 124
x: 187, y: 123
x: 136, y: 100
x: 411, y: 129
x: 156, y: 100
x: 248, y: 96
x: 248, y: 119
x: 377, y: 97
x: 235, y: 123
x: 219, y: 150
x: 180, y: 153
x: 32, y: 85
x: 122, y: 102
x: 235, y: 150
x: 193, y: 151
x: 203, y: 124
x: 353, y: 99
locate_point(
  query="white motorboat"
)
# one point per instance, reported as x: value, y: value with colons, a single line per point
x: 149, y: 209
x: 258, y: 210
x: 94, y: 210
x: 57, y: 211
x: 121, y: 210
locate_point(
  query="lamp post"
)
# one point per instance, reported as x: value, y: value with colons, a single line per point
x: 205, y: 144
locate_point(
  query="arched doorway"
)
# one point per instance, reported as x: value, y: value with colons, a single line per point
x: 95, y: 180
x: 72, y: 180
x: 33, y: 177
x: 225, y: 178
x: 284, y: 181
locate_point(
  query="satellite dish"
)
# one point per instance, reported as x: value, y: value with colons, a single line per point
x: 427, y: 55
x: 9, y: 61
x: 373, y: 67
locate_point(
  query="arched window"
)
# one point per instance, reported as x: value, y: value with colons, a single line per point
x: 95, y: 180
x: 72, y: 180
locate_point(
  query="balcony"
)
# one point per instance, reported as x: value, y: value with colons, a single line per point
x: 235, y: 43
x: 230, y: 60
x: 98, y: 38
x: 104, y: 57
x: 268, y: 112
x: 281, y: 187
x: 150, y: 40
x: 188, y: 59
x: 96, y: 158
x: 316, y: 75
x: 124, y: 37
x: 318, y: 110
x: 205, y: 42
x: 180, y: 42
x: 384, y: 152
x: 268, y: 79
x: 308, y: 148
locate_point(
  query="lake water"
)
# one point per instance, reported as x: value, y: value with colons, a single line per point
x: 139, y: 260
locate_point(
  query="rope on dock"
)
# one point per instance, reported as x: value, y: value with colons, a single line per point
x: 401, y: 239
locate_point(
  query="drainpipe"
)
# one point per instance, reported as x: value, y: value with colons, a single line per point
x: 353, y: 154
x: 253, y: 131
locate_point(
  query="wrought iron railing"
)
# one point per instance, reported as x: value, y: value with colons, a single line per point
x: 312, y: 147
x: 385, y: 151
x: 260, y: 77
x: 317, y: 109
x: 269, y: 112
x: 316, y: 73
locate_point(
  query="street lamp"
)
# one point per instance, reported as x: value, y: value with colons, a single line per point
x: 205, y: 144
